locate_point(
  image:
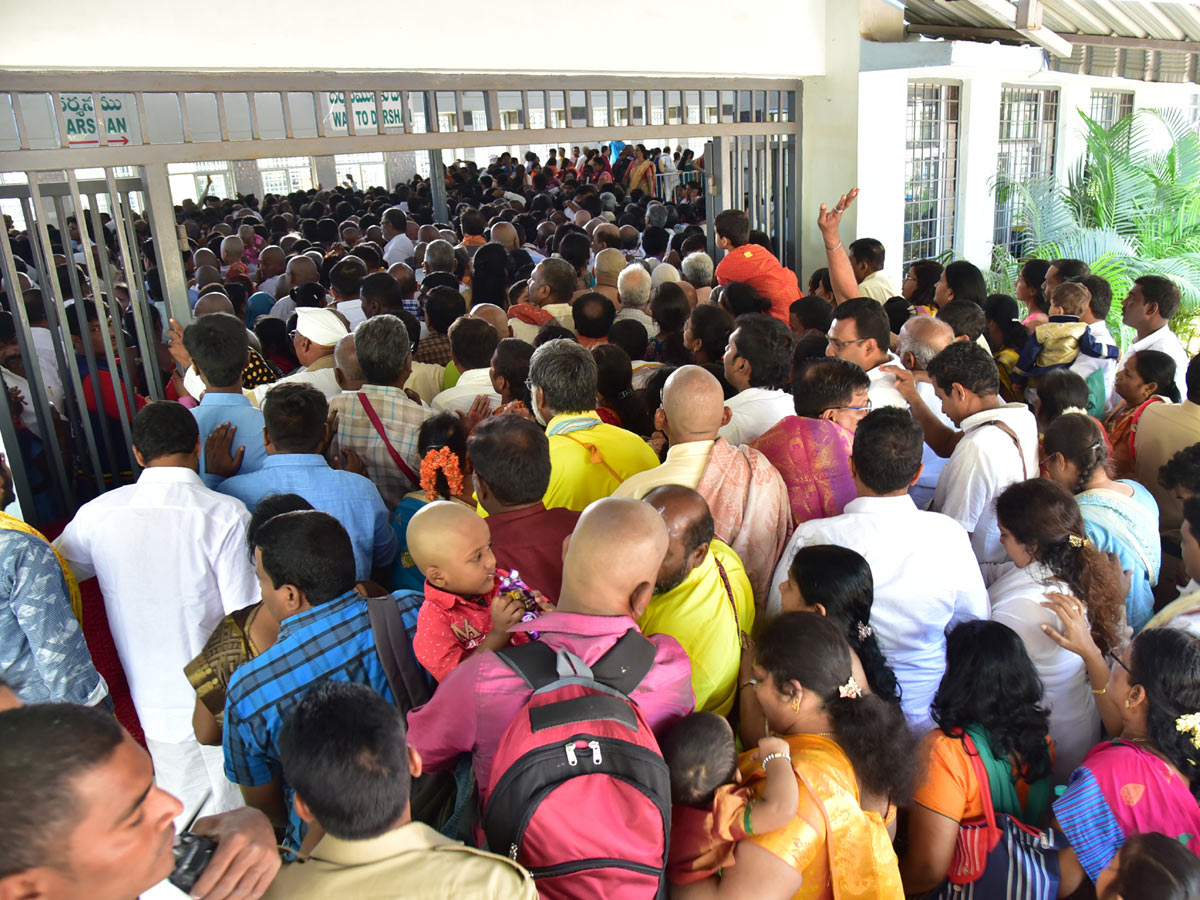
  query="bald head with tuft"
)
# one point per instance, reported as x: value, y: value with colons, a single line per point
x: 451, y: 546
x: 494, y: 316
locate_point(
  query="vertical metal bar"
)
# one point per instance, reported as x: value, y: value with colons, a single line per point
x: 795, y: 171
x: 437, y: 184
x: 138, y: 301
x: 316, y: 99
x: 491, y: 105
x: 101, y: 125
x: 19, y: 115
x: 161, y: 212
x: 60, y: 313
x: 286, y: 98
x: 185, y: 120
x: 348, y: 103
x: 458, y: 111
x: 588, y: 99
x: 140, y: 101
x: 39, y: 397
x: 114, y: 370
x: 64, y: 140
x: 752, y: 182
x: 21, y: 488
x: 714, y: 154
x: 525, y: 123
x: 253, y: 114
x: 222, y: 119
x: 780, y: 181
x: 379, y: 127
x: 406, y: 110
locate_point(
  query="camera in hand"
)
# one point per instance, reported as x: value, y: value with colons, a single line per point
x: 192, y: 853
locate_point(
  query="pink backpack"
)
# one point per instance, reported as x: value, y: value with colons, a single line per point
x: 580, y: 794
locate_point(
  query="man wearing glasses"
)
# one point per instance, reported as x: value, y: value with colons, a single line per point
x: 861, y: 334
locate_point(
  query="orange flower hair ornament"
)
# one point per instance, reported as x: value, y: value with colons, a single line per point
x: 445, y: 460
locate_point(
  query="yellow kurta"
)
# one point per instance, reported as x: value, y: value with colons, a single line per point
x: 590, y: 463
x: 842, y: 851
x: 698, y: 614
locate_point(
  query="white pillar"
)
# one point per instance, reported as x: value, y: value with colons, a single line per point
x: 978, y: 150
x: 882, y: 112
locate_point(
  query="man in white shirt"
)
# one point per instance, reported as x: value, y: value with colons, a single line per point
x: 757, y: 361
x: 551, y: 287
x: 867, y: 260
x: 921, y: 339
x: 926, y: 577
x: 1100, y: 374
x: 272, y: 262
x: 345, y: 280
x: 861, y: 334
x: 1148, y: 309
x: 399, y: 249
x: 317, y: 333
x: 170, y: 556
x: 998, y: 445
x: 473, y: 340
x: 43, y: 345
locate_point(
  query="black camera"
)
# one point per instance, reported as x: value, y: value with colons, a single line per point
x: 192, y: 853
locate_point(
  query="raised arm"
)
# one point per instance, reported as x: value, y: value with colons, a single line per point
x: 841, y: 275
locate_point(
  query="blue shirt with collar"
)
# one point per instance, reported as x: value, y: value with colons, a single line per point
x: 217, y: 409
x: 351, y: 499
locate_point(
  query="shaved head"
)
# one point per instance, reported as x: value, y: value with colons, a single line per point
x: 213, y: 303
x: 204, y: 257
x: 302, y: 270
x: 494, y: 316
x: 693, y: 403
x: 609, y: 530
x: 445, y: 539
x: 505, y: 234
x: 405, y: 279
x: 206, y: 275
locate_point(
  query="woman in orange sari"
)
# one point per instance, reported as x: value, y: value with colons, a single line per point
x: 852, y: 755
x: 640, y: 174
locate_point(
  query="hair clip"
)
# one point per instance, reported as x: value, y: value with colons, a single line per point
x: 1078, y: 542
x: 850, y: 690
x: 864, y: 631
x: 1190, y: 725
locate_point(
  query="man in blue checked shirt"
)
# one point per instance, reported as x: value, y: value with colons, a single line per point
x: 305, y: 568
x: 295, y: 417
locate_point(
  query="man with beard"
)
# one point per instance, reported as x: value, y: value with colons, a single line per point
x: 702, y: 597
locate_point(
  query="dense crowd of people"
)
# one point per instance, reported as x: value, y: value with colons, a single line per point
x: 438, y: 517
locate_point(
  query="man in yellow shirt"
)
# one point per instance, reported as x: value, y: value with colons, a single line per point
x: 702, y: 597
x: 344, y: 750
x: 588, y: 458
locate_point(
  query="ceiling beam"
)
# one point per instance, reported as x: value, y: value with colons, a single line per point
x: 1025, y: 19
x: 1093, y: 40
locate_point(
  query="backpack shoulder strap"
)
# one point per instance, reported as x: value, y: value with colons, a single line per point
x: 1012, y: 436
x: 410, y: 688
x: 628, y: 662
x: 535, y: 662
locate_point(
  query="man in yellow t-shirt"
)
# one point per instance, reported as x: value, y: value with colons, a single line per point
x: 588, y: 458
x: 702, y: 598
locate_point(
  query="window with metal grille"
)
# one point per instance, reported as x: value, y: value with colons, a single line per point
x: 930, y: 169
x: 284, y: 174
x: 1194, y: 113
x: 368, y: 169
x: 1109, y: 107
x: 1028, y: 134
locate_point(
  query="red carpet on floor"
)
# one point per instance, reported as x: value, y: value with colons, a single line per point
x: 104, y: 652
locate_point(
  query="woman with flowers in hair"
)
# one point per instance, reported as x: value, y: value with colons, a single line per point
x: 1043, y: 533
x: 852, y: 754
x: 442, y: 447
x: 1145, y: 779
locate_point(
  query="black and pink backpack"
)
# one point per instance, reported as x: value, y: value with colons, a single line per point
x: 580, y: 794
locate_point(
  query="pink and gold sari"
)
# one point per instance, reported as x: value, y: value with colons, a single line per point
x: 813, y: 456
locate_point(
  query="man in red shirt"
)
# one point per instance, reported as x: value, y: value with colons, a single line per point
x: 510, y: 456
x: 754, y: 264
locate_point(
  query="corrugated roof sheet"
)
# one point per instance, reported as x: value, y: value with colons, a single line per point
x: 1124, y: 23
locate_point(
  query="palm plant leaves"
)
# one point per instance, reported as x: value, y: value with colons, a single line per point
x: 1130, y: 206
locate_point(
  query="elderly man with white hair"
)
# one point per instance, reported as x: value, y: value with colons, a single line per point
x: 634, y: 285
x: 921, y: 339
x: 697, y: 270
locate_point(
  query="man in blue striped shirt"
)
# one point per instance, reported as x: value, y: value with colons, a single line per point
x: 305, y: 568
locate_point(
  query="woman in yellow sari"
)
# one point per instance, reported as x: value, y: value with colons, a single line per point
x: 640, y: 174
x: 852, y: 755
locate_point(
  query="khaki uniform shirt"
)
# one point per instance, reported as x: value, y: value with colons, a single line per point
x: 413, y: 862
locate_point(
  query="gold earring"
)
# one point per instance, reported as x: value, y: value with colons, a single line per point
x: 796, y: 704
x: 1127, y: 703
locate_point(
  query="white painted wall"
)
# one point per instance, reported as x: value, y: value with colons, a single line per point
x: 783, y: 38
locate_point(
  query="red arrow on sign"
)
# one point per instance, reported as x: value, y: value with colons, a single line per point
x: 121, y: 141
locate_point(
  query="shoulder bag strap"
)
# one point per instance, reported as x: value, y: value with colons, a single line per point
x: 1016, y: 442
x: 728, y: 592
x: 378, y: 426
x: 404, y: 675
x: 535, y: 662
x: 595, y: 455
x: 626, y: 663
